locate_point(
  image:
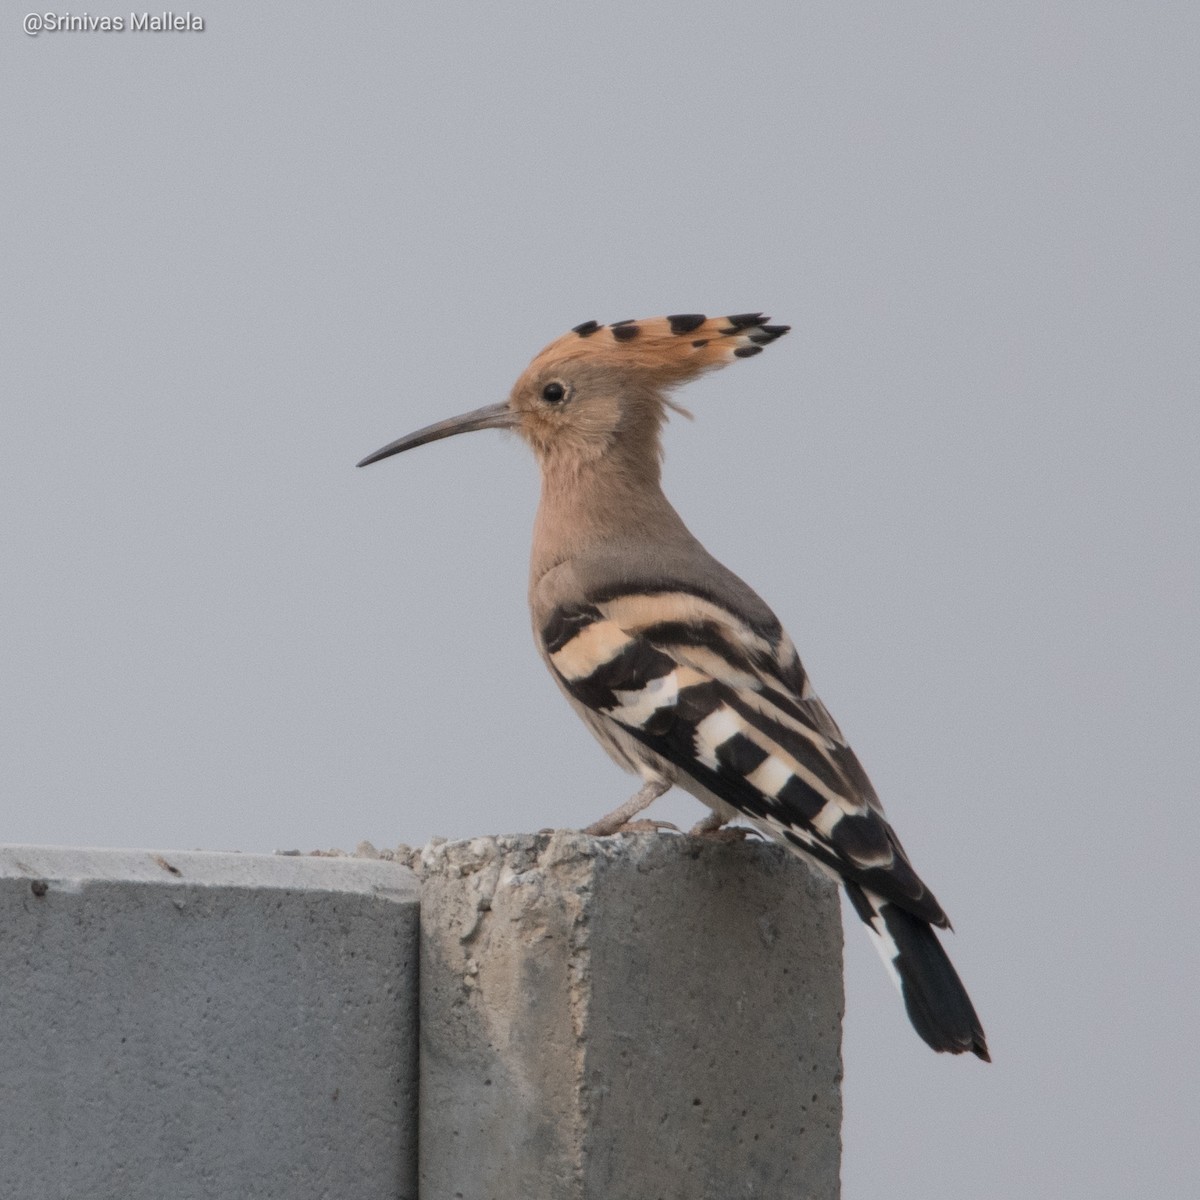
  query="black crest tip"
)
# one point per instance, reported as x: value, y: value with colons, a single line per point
x: 768, y: 333
x: 686, y: 322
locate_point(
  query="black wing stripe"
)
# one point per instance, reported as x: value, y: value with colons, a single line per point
x: 800, y: 798
x: 740, y: 756
x: 630, y: 670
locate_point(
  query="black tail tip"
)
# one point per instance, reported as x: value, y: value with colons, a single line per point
x: 945, y: 1019
x: 948, y: 1035
x: 952, y: 1030
x: 977, y: 1047
x: 937, y: 1003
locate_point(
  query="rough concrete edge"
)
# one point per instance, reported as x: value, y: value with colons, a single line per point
x: 565, y: 860
x: 486, y: 863
x: 566, y: 843
x: 76, y: 866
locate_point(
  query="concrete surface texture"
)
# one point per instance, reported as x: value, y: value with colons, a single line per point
x: 641, y: 1017
x: 206, y: 1025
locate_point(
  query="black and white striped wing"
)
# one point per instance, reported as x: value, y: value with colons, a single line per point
x: 729, y: 706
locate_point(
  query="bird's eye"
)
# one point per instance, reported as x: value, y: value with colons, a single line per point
x: 554, y: 393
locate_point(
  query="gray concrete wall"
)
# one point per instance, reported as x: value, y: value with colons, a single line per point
x: 631, y: 1018
x: 191, y: 1025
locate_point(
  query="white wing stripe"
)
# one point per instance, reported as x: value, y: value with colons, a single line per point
x: 717, y: 728
x: 592, y: 647
x: 769, y: 776
x: 637, y: 707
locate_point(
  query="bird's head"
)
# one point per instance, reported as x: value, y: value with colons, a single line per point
x: 603, y: 385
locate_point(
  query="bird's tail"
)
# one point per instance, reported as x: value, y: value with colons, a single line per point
x: 937, y: 1003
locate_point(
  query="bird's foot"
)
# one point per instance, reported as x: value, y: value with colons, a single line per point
x: 714, y: 829
x: 646, y: 825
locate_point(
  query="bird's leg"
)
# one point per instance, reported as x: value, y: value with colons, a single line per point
x: 620, y: 817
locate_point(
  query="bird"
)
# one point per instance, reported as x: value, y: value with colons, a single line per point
x: 683, y: 674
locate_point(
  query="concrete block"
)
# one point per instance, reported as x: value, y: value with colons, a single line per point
x: 206, y: 1025
x: 641, y: 1017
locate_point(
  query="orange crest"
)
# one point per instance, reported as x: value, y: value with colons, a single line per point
x: 663, y: 351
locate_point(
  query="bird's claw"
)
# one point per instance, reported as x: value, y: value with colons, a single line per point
x: 645, y: 825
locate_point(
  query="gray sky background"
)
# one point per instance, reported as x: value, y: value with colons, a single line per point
x: 236, y: 261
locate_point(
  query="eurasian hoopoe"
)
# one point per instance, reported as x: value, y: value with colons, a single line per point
x: 682, y: 673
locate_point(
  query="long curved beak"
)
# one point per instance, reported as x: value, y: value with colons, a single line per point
x: 492, y: 416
